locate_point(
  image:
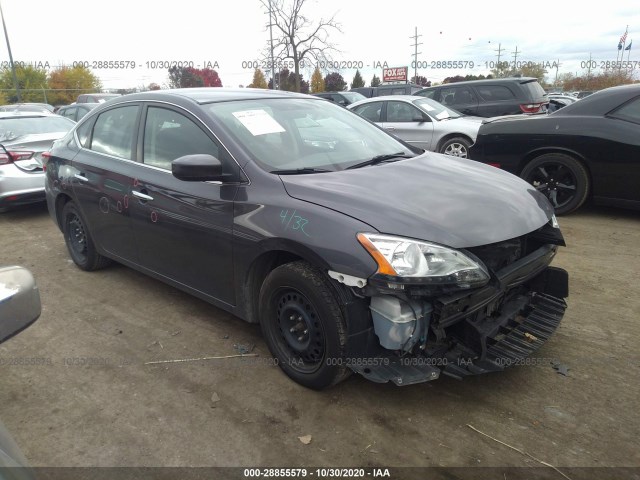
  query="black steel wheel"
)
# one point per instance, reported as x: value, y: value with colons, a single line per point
x: 303, y: 325
x: 456, y: 147
x: 78, y: 239
x: 561, y: 178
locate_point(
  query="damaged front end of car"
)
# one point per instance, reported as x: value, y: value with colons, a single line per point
x: 456, y: 312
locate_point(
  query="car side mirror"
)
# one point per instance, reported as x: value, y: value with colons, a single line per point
x: 19, y: 301
x: 197, y: 168
x: 421, y: 118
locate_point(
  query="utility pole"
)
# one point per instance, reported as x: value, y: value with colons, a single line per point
x: 499, y: 50
x: 515, y: 58
x: 555, y: 82
x: 588, y: 70
x: 273, y: 65
x: 13, y: 67
x: 415, y: 53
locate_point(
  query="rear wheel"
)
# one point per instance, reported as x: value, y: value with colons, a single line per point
x: 79, y: 243
x: 562, y: 179
x: 456, y: 147
x: 303, y: 325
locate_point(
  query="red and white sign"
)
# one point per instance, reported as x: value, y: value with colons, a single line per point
x: 395, y: 74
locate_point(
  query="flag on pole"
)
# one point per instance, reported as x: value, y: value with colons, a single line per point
x: 629, y: 46
x: 623, y: 38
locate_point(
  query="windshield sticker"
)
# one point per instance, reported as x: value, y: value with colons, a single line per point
x: 427, y: 107
x: 258, y: 122
x: 443, y: 114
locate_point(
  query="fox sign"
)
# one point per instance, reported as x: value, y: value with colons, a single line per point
x: 395, y: 74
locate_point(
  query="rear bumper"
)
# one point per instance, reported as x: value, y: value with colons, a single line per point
x: 20, y: 188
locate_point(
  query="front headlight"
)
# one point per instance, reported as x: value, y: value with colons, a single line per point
x: 407, y: 258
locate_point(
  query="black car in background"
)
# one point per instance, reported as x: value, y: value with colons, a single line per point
x: 341, y: 98
x: 388, y: 89
x: 491, y: 98
x: 590, y: 148
x: 353, y: 250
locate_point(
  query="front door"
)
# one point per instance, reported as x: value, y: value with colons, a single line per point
x: 183, y: 229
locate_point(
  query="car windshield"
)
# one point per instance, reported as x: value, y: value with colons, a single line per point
x: 436, y: 109
x: 15, y: 127
x: 298, y: 133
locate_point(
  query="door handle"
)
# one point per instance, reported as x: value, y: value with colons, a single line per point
x: 142, y: 196
x: 81, y: 177
x: 389, y: 128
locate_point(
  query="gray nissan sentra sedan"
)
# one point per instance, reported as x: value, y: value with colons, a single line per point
x: 355, y: 251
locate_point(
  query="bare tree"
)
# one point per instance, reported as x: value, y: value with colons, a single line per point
x: 297, y: 36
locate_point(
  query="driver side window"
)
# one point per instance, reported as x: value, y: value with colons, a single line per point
x: 402, y: 112
x: 169, y: 135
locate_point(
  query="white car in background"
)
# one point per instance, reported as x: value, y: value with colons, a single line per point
x: 24, y: 136
x: 422, y: 122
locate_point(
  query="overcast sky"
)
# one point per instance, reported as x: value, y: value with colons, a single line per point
x: 233, y: 32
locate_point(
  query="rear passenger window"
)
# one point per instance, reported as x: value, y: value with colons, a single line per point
x: 113, y: 132
x: 629, y: 111
x: 492, y: 93
x: 83, y: 133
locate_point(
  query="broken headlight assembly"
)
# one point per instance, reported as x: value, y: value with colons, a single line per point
x: 423, y: 262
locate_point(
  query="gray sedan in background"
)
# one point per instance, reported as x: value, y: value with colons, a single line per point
x: 24, y: 136
x: 422, y: 122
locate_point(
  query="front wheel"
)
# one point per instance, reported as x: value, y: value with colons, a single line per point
x: 456, y: 147
x: 562, y: 178
x: 303, y: 325
x: 79, y: 243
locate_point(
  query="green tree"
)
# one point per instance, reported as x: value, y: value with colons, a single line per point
x: 289, y: 81
x: 375, y: 81
x: 189, y: 77
x: 258, y: 80
x: 317, y: 82
x: 31, y: 81
x: 420, y: 80
x: 66, y: 83
x: 357, y: 81
x: 334, y: 82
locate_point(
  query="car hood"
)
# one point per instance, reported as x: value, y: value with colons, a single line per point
x: 454, y: 202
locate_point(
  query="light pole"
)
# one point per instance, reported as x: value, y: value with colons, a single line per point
x: 13, y: 67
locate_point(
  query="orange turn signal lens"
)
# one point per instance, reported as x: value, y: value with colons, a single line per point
x: 384, y: 266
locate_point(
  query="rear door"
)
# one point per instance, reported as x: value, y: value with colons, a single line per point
x: 401, y: 121
x: 183, y: 229
x: 461, y: 98
x: 102, y: 178
x: 497, y: 100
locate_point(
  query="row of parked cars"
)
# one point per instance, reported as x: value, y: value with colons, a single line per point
x: 582, y: 149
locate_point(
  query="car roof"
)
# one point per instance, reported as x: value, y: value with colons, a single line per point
x: 382, y: 98
x: 602, y: 101
x: 214, y: 94
x: 486, y: 80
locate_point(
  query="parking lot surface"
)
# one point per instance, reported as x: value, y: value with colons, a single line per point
x: 76, y: 388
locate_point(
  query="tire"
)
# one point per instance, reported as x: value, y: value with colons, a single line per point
x: 561, y: 178
x: 456, y: 147
x: 303, y: 325
x: 79, y: 243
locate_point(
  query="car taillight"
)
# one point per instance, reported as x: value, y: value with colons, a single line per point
x: 530, y: 107
x: 10, y: 157
x: 45, y: 158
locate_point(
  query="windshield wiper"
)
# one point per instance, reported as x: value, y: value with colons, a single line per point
x: 381, y: 159
x: 296, y: 171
